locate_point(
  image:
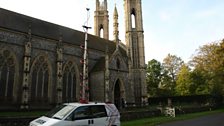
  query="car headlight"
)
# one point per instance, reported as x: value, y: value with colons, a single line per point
x: 32, y: 124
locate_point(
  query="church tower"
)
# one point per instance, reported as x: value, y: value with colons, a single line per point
x: 101, y: 20
x: 135, y: 47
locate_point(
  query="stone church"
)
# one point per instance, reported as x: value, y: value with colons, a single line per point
x: 40, y: 61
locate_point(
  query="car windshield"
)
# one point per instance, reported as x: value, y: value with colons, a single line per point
x: 60, y: 112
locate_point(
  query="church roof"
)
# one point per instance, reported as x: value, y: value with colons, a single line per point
x: 18, y: 22
x: 100, y: 65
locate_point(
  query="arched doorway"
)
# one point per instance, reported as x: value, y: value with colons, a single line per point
x: 119, y: 100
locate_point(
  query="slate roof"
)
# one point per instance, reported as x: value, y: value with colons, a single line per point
x: 18, y: 22
x: 100, y: 65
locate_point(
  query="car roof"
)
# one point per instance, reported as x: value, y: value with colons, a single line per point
x: 84, y: 104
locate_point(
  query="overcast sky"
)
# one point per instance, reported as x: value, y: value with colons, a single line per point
x: 177, y: 27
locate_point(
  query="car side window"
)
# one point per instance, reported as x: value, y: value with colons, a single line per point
x: 98, y: 111
x: 82, y: 112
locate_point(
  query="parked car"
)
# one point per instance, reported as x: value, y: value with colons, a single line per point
x: 78, y: 114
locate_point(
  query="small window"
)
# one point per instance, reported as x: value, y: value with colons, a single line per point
x: 101, y: 31
x: 133, y: 21
x: 98, y: 111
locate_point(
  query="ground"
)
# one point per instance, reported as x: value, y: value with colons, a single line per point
x: 210, y: 120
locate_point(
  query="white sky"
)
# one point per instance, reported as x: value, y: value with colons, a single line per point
x: 177, y: 27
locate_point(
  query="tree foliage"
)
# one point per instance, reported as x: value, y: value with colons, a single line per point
x: 171, y: 66
x: 203, y: 75
x: 161, y: 78
x: 209, y: 61
x: 184, y: 81
x: 199, y: 83
x: 153, y: 77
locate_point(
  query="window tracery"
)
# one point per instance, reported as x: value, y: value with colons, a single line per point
x: 40, y: 80
x: 7, y: 75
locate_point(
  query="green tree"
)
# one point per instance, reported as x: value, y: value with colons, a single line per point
x: 166, y: 84
x: 209, y: 61
x: 220, y: 66
x: 153, y: 77
x: 199, y: 85
x: 184, y: 81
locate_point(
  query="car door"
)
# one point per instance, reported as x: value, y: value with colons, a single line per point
x: 80, y: 117
x: 99, y: 115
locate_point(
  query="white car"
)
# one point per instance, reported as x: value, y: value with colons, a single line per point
x: 78, y: 114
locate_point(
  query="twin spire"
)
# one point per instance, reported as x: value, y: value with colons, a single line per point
x: 101, y: 5
x: 116, y: 24
x: 101, y: 21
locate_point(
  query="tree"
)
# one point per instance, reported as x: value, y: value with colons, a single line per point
x: 166, y: 85
x: 171, y: 67
x: 184, y: 81
x: 220, y: 67
x: 153, y: 77
x: 209, y: 61
x: 199, y: 85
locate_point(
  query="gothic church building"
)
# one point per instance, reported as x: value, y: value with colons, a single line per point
x: 40, y: 61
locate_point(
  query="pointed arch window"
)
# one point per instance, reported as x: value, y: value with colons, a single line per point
x: 69, y: 83
x: 118, y: 63
x: 133, y: 18
x: 7, y: 75
x: 40, y: 80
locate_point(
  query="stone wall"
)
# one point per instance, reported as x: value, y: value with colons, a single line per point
x: 97, y: 84
x: 14, y: 43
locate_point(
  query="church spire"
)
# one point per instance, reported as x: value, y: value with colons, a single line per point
x: 116, y: 31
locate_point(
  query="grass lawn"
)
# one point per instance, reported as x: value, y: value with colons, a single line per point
x: 159, y: 120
